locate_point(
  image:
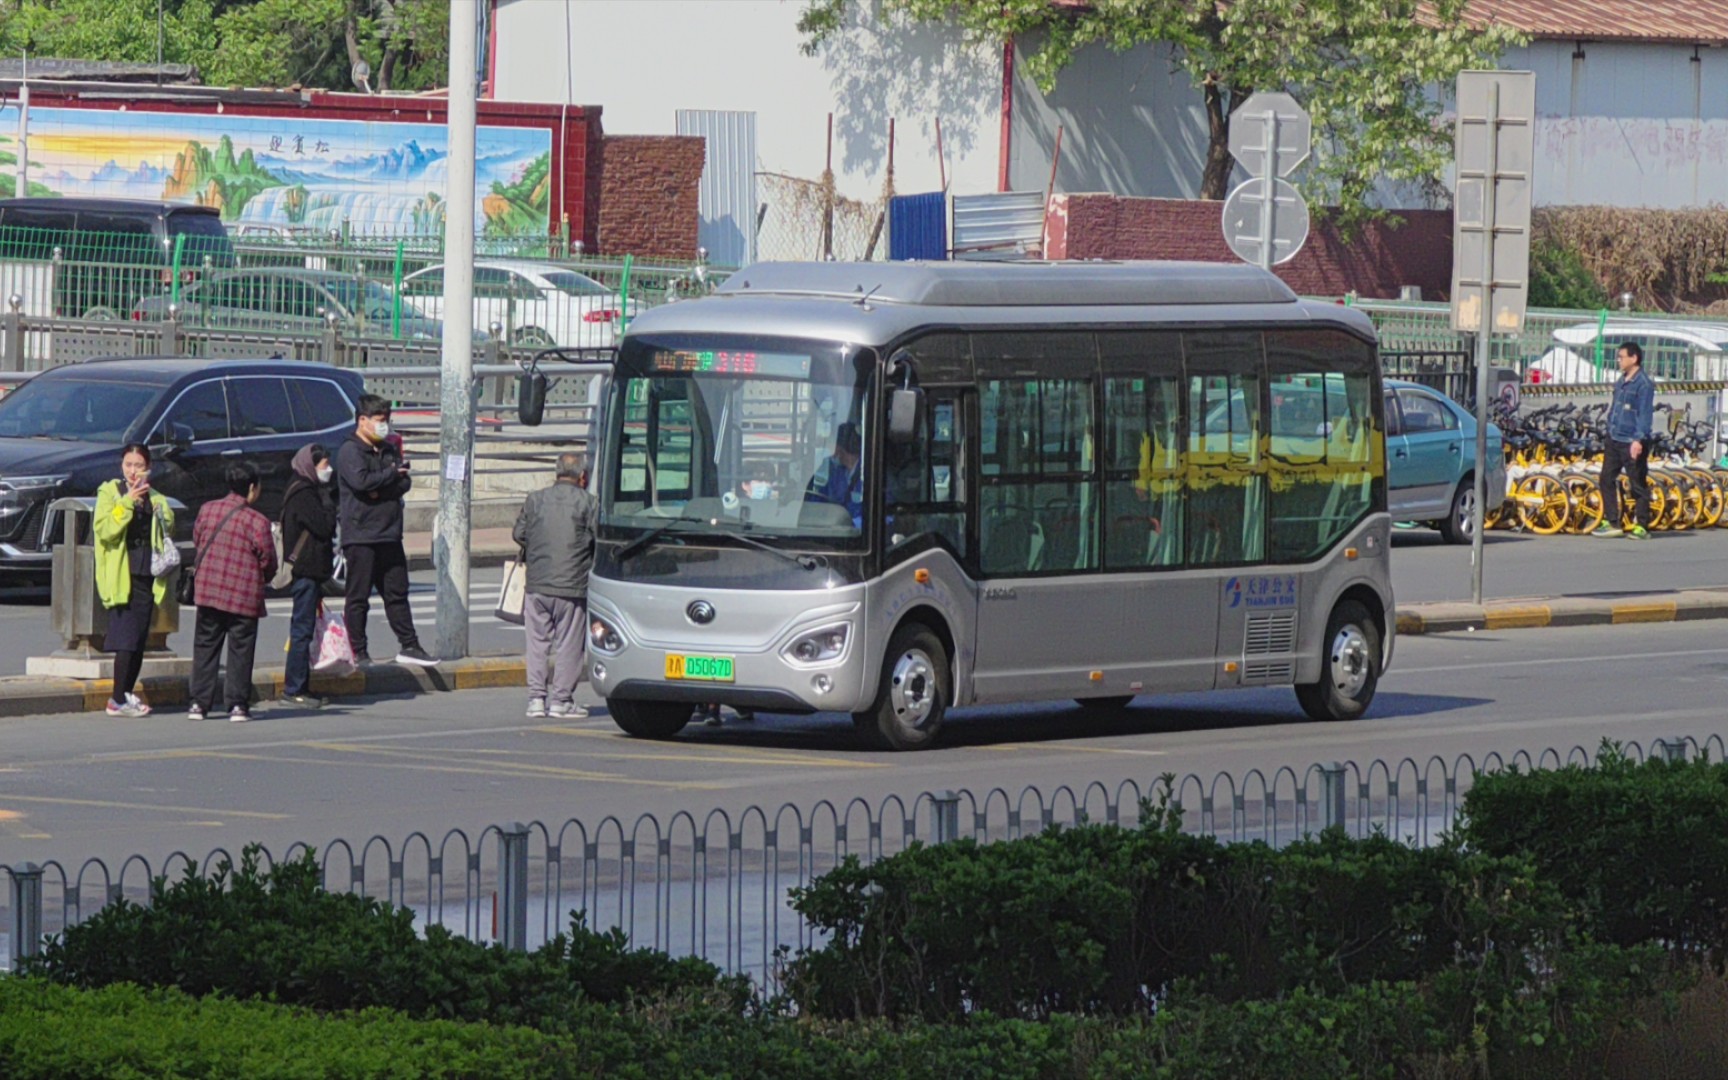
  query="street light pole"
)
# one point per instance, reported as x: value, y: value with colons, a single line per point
x: 451, y: 542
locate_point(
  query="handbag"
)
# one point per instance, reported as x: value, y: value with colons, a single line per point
x: 332, y: 652
x: 164, y: 562
x: 285, y: 566
x: 186, y: 589
x: 512, y: 592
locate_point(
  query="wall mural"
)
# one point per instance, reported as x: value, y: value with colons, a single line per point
x: 381, y: 177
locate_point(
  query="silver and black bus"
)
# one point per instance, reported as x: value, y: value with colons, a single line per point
x: 893, y: 490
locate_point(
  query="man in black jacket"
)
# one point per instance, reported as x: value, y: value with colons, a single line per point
x: 556, y: 531
x: 308, y: 546
x: 371, y: 479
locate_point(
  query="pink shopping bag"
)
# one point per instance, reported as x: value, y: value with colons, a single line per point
x: 332, y: 653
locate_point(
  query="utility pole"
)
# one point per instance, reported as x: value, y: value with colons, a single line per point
x: 451, y: 543
x: 21, y: 188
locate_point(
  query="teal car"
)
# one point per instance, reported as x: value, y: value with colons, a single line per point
x: 1431, y: 460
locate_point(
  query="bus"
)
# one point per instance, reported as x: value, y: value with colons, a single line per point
x: 892, y: 490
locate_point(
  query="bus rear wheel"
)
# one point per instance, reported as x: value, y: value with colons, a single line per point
x: 650, y: 719
x: 1349, y: 666
x: 914, y: 693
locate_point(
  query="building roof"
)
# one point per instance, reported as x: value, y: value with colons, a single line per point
x: 1685, y: 22
x: 1682, y: 21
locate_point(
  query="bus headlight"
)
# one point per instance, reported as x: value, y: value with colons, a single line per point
x: 604, y: 637
x: 819, y: 646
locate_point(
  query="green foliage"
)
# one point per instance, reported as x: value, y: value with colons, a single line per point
x: 1099, y: 920
x: 1362, y: 68
x: 1640, y: 850
x: 1559, y: 279
x: 278, y: 935
x: 269, y: 43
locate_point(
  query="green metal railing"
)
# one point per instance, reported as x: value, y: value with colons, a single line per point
x: 1417, y: 327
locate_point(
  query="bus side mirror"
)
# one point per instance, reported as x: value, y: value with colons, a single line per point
x: 531, y: 397
x: 905, y: 415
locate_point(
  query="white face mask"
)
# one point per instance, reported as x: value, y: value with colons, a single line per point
x: 381, y: 430
x: 758, y: 489
x: 325, y: 472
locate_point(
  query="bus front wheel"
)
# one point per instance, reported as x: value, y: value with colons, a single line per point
x: 914, y: 693
x: 650, y: 719
x: 1349, y: 666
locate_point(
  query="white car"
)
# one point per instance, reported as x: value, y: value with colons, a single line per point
x: 536, y: 303
x: 1672, y: 350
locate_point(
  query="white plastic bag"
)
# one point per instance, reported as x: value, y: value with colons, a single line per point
x: 332, y: 653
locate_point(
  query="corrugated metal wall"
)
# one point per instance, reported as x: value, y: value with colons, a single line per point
x: 1009, y: 225
x: 728, y: 195
x: 918, y: 226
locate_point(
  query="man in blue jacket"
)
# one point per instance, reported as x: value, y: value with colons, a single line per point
x: 1628, y: 449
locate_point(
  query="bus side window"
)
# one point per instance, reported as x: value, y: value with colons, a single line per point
x: 1322, y: 456
x: 1226, y: 471
x: 1038, y: 503
x: 924, y: 483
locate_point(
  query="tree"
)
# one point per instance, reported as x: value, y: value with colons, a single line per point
x: 1366, y: 70
x: 268, y: 43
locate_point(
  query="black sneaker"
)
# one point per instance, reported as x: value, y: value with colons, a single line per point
x: 239, y: 714
x: 362, y: 660
x: 417, y: 656
x: 303, y: 701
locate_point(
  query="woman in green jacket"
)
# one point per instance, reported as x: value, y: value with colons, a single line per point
x: 133, y: 523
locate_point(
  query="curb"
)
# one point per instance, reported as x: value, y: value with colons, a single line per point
x: 479, y: 557
x: 30, y: 695
x: 1564, y: 611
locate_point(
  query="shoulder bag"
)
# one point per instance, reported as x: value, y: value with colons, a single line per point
x: 285, y: 565
x: 185, y: 590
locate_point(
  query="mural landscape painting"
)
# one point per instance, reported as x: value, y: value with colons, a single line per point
x: 382, y: 178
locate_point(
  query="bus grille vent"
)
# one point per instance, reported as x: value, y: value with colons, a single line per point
x: 1269, y: 672
x: 1270, y: 635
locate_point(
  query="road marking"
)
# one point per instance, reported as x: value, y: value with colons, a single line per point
x: 715, y: 754
x: 12, y: 822
x: 104, y: 804
x: 512, y: 770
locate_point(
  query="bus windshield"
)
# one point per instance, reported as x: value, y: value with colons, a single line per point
x: 759, y: 436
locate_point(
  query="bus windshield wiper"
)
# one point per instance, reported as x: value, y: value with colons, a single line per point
x: 652, y: 535
x: 808, y: 562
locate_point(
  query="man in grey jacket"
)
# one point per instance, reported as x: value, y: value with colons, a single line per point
x: 556, y: 532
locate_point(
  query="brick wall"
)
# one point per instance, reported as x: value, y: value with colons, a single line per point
x: 1376, y: 262
x: 649, y: 195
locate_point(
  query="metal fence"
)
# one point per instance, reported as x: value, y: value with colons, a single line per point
x: 1418, y: 327
x: 717, y: 885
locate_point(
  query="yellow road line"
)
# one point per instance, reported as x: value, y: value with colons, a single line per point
x: 107, y: 805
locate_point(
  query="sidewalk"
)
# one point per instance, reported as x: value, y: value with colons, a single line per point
x: 1597, y: 609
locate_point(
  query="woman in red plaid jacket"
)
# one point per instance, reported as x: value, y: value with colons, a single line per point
x: 235, y: 557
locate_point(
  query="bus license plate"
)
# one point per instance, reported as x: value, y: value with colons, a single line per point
x: 699, y: 668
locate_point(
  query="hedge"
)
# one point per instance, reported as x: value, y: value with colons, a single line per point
x: 1640, y: 851
x: 279, y: 935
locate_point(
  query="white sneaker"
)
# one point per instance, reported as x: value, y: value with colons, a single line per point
x: 239, y: 714
x: 569, y: 711
x: 536, y: 708
x: 138, y: 703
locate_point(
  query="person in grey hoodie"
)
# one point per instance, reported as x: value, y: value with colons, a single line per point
x: 555, y: 531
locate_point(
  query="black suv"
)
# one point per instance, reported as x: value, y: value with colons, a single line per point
x: 61, y: 434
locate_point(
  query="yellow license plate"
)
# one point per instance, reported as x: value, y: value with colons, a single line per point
x: 698, y: 668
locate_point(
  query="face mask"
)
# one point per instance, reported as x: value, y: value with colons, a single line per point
x: 758, y: 489
x: 381, y: 430
x: 325, y: 472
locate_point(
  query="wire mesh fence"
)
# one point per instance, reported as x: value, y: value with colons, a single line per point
x: 807, y: 220
x: 719, y: 885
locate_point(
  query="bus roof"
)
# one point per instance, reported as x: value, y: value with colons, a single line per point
x: 877, y: 303
x: 1017, y: 284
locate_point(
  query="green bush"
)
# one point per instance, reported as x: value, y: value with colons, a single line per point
x: 280, y: 936
x: 1639, y: 850
x: 1104, y: 920
x: 50, y: 1032
x: 1559, y: 279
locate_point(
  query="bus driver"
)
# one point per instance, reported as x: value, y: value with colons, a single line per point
x: 843, y: 484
